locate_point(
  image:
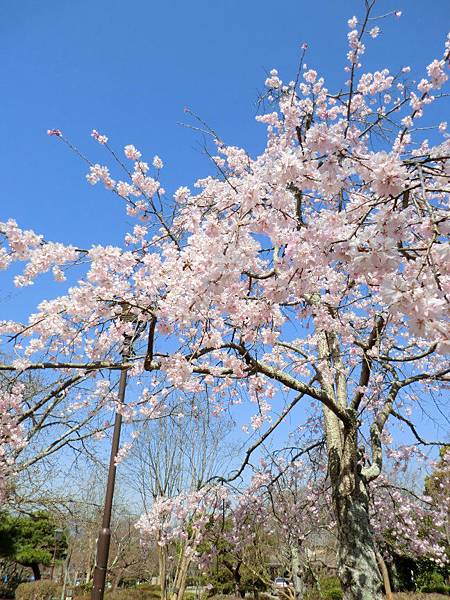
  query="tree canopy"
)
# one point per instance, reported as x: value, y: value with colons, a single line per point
x: 311, y: 280
x: 30, y: 540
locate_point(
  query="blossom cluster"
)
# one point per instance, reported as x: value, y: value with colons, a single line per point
x: 12, y: 436
x: 410, y: 524
x: 298, y: 270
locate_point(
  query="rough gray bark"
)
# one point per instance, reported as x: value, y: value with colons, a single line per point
x: 357, y: 560
x: 357, y: 563
x: 297, y: 574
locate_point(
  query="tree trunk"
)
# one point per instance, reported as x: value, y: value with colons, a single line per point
x: 238, y: 589
x: 393, y: 575
x: 357, y: 562
x: 386, y: 580
x: 181, y: 576
x: 162, y: 567
x: 66, y: 565
x: 235, y: 571
x: 117, y: 579
x: 297, y: 573
x: 36, y: 571
x: 90, y: 562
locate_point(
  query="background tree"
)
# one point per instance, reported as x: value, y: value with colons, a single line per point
x: 437, y: 488
x: 170, y: 457
x: 31, y: 541
x: 49, y: 422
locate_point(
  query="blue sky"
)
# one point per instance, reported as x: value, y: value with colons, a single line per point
x: 129, y: 68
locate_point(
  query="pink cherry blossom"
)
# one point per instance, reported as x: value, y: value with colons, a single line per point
x: 131, y: 153
x: 316, y: 271
x: 101, y: 139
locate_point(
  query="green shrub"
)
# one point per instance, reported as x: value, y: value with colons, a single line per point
x: 438, y: 588
x: 38, y: 590
x: 329, y: 594
x: 330, y: 588
x: 224, y: 597
x: 431, y: 581
x: 429, y: 578
x: 329, y: 582
x: 333, y: 594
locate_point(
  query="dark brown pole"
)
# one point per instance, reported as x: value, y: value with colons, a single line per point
x: 104, y: 537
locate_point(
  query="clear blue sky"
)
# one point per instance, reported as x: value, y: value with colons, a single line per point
x: 128, y: 68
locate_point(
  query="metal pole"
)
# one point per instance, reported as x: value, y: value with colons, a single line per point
x: 104, y: 537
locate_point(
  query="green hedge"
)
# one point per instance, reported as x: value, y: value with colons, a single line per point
x: 333, y: 594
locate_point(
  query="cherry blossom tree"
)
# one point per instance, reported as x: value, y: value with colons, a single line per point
x: 285, y: 514
x: 409, y: 524
x: 315, y: 274
x: 437, y: 488
x: 171, y: 459
x: 11, y: 434
x: 287, y: 506
x: 179, y: 524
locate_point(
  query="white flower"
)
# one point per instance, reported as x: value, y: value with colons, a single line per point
x: 157, y: 162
